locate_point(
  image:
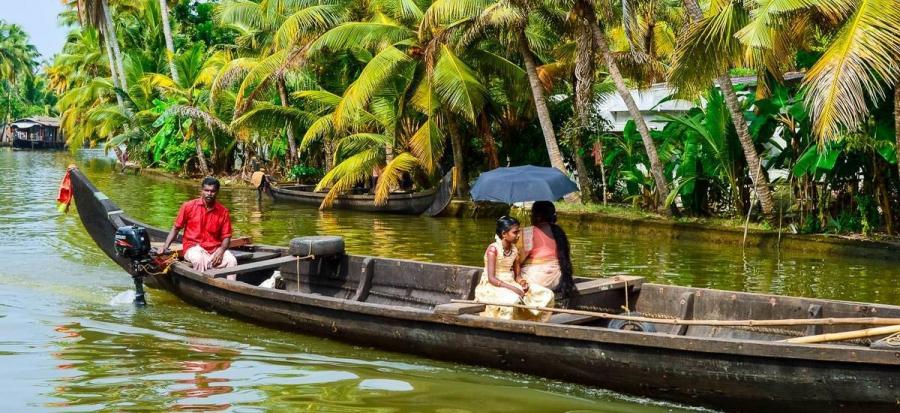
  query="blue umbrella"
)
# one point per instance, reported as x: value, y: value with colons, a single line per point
x: 522, y: 184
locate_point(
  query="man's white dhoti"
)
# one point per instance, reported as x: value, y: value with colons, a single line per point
x: 201, y: 260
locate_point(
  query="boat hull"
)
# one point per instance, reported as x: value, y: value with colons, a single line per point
x: 723, y: 381
x: 408, y: 203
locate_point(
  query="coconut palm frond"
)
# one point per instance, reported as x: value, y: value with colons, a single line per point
x: 360, y: 141
x: 427, y: 144
x: 424, y: 98
x: 457, y: 85
x: 392, y: 174
x: 161, y: 81
x: 319, y: 99
x: 374, y: 75
x: 443, y: 12
x: 493, y: 63
x: 348, y: 173
x: 197, y: 114
x: 230, y: 74
x: 765, y: 19
x: 707, y: 50
x: 243, y: 12
x: 855, y: 70
x: 268, y: 116
x: 305, y: 21
x: 259, y: 76
x: 360, y: 34
x: 319, y: 129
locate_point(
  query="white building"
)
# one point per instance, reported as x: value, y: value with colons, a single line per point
x: 653, y: 104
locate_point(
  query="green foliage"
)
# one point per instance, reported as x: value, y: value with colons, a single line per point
x: 302, y: 173
x: 195, y: 23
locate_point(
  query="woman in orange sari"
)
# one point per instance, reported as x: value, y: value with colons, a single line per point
x: 544, y: 252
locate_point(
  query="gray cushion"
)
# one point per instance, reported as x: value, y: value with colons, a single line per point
x: 319, y: 245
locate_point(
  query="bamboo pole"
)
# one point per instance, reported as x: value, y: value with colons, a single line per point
x: 894, y: 322
x: 846, y: 335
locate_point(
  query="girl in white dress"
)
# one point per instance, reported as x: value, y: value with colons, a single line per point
x: 502, y: 282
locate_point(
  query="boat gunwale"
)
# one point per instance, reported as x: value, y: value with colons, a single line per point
x: 713, y: 345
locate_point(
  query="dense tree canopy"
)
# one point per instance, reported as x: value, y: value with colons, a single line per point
x: 334, y: 91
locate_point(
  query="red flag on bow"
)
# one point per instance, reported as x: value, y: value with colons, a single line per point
x: 65, y: 194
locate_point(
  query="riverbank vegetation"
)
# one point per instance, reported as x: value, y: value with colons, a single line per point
x: 331, y: 91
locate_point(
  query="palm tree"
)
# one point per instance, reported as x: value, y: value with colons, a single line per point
x: 17, y: 56
x: 197, y: 72
x: 686, y: 62
x: 17, y: 59
x: 393, y: 112
x: 600, y: 41
x: 276, y: 31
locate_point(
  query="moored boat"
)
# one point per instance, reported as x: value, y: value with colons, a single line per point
x: 407, y: 306
x: 411, y: 203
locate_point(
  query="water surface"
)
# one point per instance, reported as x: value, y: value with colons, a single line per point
x: 70, y: 340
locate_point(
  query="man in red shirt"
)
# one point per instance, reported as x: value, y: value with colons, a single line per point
x: 207, y: 230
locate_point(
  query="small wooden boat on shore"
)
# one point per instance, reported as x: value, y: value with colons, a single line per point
x: 682, y: 356
x: 410, y: 203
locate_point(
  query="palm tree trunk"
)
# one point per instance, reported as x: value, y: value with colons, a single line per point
x: 288, y: 126
x: 329, y: 153
x: 759, y: 177
x: 201, y: 159
x: 487, y: 138
x: 584, y: 82
x: 656, y: 169
x: 897, y: 122
x: 167, y: 34
x: 112, y: 70
x: 114, y: 40
x: 459, y: 166
x: 537, y: 94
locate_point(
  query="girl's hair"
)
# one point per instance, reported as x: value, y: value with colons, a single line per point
x: 545, y: 212
x: 504, y: 224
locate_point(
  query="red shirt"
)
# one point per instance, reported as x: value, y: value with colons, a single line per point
x: 203, y: 227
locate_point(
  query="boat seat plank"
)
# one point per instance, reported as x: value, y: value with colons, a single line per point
x: 250, y: 267
x: 686, y: 312
x: 571, y: 319
x: 365, y: 279
x: 459, y: 308
x: 609, y: 283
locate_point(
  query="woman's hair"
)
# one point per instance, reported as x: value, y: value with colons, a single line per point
x: 545, y: 212
x: 504, y: 224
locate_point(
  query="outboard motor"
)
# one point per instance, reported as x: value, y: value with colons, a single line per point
x: 133, y: 243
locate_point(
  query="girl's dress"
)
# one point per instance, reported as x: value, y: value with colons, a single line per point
x: 486, y: 292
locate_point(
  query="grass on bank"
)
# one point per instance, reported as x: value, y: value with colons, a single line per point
x: 628, y: 212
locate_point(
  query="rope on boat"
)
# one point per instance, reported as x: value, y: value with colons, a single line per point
x: 159, y: 265
x: 403, y: 298
x: 749, y: 323
x: 309, y: 256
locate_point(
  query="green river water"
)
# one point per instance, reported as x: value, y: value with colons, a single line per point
x: 71, y: 341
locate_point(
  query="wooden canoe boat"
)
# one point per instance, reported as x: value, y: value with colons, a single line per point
x: 411, y: 203
x: 402, y: 305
